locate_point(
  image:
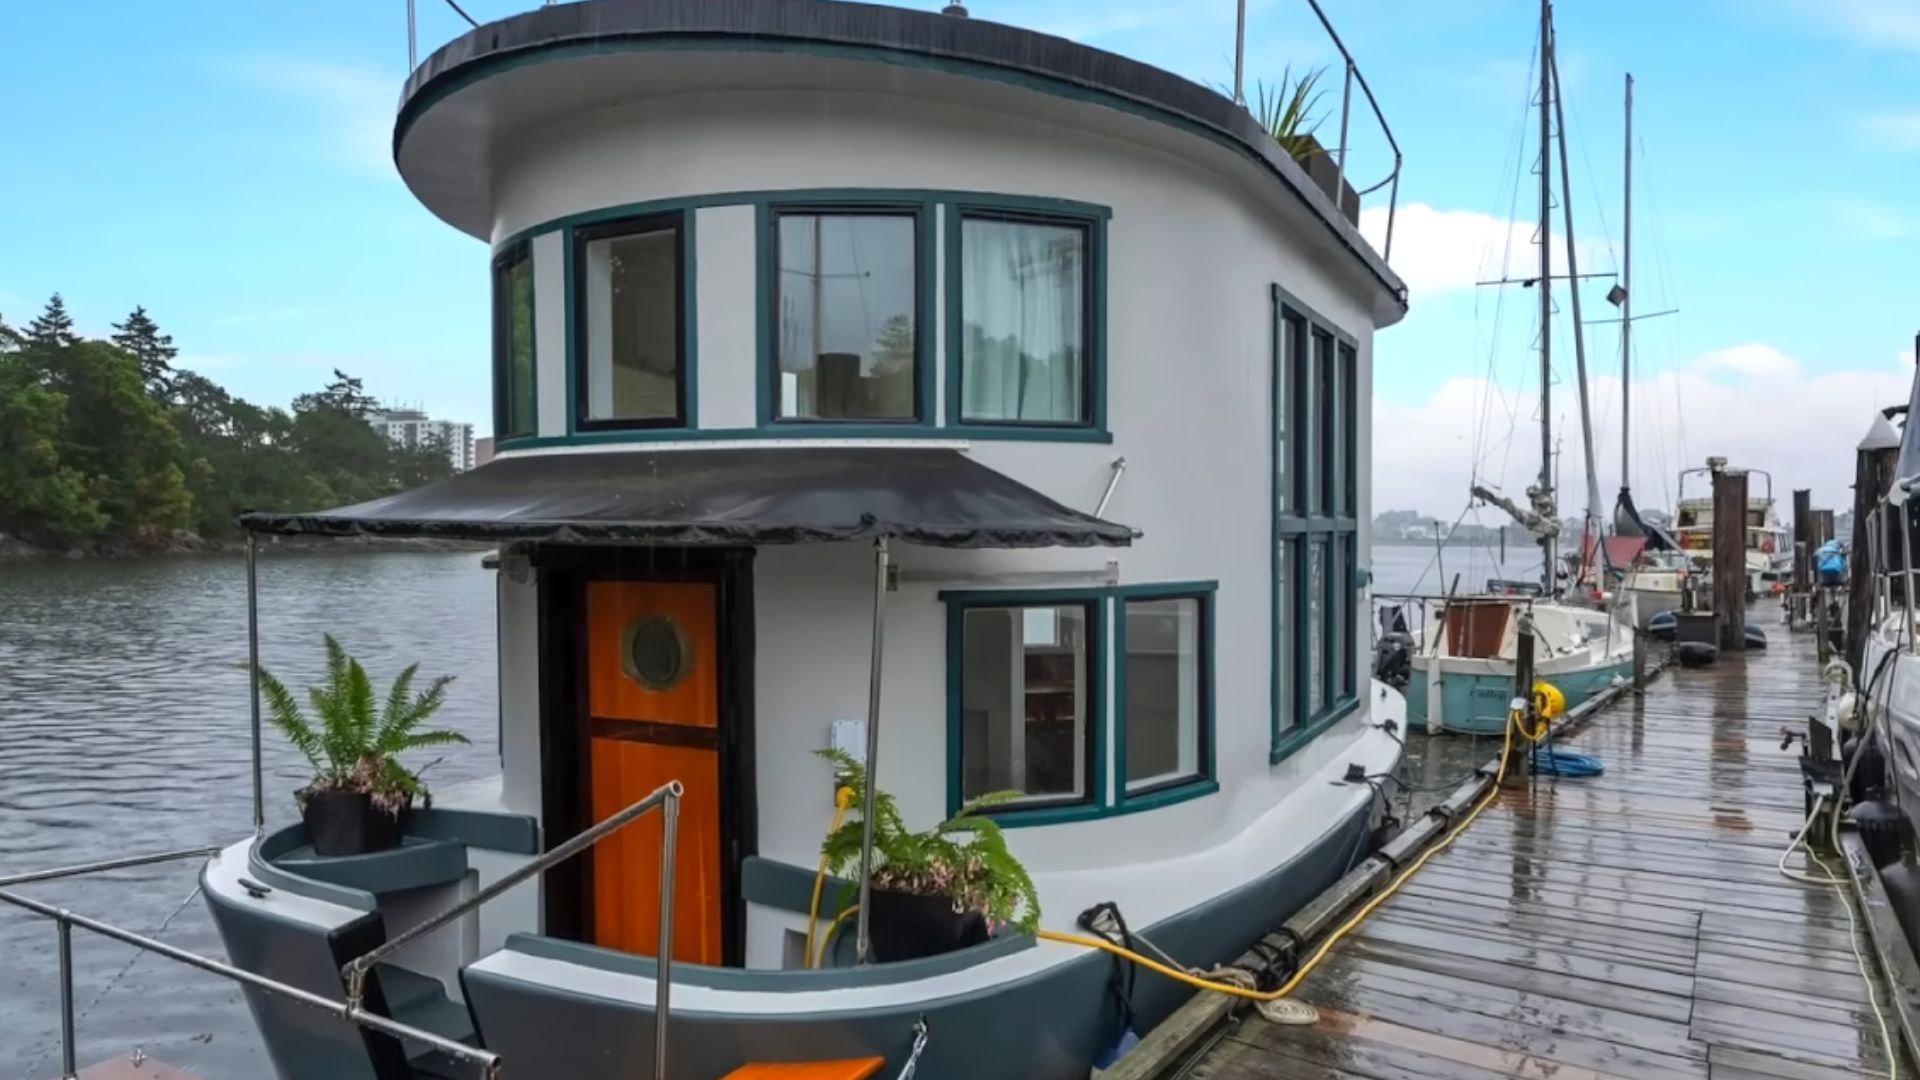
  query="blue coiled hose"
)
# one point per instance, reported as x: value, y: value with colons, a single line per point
x: 1552, y: 762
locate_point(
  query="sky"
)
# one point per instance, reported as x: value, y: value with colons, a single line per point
x: 227, y: 167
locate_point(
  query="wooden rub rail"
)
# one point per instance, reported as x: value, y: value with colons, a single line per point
x: 1628, y: 926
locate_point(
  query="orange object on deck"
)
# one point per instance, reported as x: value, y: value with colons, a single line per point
x: 855, y: 1069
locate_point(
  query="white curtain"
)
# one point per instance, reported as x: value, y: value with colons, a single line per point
x: 1022, y: 309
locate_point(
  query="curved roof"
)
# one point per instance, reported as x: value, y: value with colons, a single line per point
x: 456, y: 189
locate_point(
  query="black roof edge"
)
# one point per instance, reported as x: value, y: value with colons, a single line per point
x: 602, y: 23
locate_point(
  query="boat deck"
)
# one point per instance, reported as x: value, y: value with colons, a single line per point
x: 1630, y: 926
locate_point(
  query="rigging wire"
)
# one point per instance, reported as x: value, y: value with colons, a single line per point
x: 1490, y: 387
x: 457, y: 10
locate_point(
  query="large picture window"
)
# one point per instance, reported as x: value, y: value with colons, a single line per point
x: 1315, y: 417
x: 513, y: 349
x: 1025, y: 320
x: 1028, y: 697
x: 629, y: 326
x: 846, y: 318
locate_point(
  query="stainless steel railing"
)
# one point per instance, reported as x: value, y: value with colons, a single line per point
x: 1353, y: 76
x: 64, y: 921
x: 665, y: 798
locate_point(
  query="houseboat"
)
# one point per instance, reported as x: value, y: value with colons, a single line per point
x: 1769, y: 543
x: 985, y: 406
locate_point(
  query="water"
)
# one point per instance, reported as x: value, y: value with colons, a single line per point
x: 123, y: 729
x: 1416, y: 568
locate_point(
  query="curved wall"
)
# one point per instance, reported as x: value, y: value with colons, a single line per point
x: 1193, y: 254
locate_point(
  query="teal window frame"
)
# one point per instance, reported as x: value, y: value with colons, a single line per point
x: 937, y: 209
x: 1092, y: 427
x: 917, y: 205
x: 503, y: 263
x: 1206, y: 781
x: 1313, y: 431
x: 1106, y: 714
x: 688, y: 397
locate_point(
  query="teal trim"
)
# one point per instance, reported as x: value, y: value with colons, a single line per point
x: 1094, y: 220
x: 1317, y: 514
x: 476, y: 71
x: 416, y: 863
x: 775, y: 884
x: 507, y: 256
x: 515, y: 833
x: 689, y: 321
x: 1095, y: 600
x: 1204, y: 782
x: 571, y: 350
x: 641, y: 437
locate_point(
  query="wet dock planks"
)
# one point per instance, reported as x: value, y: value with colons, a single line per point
x: 1623, y: 927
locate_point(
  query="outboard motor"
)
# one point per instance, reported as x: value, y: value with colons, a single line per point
x: 1393, y: 659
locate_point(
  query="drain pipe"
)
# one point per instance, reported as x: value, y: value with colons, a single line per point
x: 863, y: 942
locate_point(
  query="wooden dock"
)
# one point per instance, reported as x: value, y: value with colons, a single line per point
x: 1624, y: 927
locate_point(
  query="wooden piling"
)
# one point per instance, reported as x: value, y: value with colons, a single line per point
x: 1803, y: 545
x: 1730, y: 558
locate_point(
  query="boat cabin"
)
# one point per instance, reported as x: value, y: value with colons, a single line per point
x: 987, y: 406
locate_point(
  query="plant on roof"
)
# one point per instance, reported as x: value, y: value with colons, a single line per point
x: 1290, y: 112
x: 964, y: 858
x: 352, y: 740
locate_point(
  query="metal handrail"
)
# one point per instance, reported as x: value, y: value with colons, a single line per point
x: 65, y: 920
x: 666, y: 798
x: 1346, y: 104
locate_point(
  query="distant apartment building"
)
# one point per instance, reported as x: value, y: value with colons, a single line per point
x: 411, y: 427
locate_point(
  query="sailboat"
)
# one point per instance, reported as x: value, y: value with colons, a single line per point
x: 1462, y: 677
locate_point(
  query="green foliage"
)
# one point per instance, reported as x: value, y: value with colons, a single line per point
x: 963, y: 858
x: 353, y: 741
x: 109, y: 442
x: 1289, y: 112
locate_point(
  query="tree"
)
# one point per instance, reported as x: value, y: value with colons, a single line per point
x: 893, y: 346
x: 53, y: 326
x: 9, y: 338
x: 40, y: 496
x: 345, y: 394
x: 155, y: 351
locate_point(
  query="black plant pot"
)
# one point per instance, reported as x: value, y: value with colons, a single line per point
x: 347, y: 823
x: 907, y: 927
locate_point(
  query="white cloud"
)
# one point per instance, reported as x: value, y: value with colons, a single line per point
x: 1752, y: 403
x: 1893, y: 130
x: 1891, y: 24
x: 1437, y: 251
x: 352, y: 107
x: 1873, y: 219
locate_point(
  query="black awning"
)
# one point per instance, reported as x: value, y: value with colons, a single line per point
x: 766, y: 495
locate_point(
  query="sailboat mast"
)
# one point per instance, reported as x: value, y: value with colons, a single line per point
x: 1544, y: 497
x: 1592, y: 530
x: 1626, y: 300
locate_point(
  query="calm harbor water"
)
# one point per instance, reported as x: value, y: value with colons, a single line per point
x: 123, y: 729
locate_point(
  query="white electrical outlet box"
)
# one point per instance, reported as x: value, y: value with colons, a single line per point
x: 850, y: 738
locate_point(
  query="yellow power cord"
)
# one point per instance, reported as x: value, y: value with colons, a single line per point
x: 1514, y: 721
x: 826, y: 940
x: 842, y: 798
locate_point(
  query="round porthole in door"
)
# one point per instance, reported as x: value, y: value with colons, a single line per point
x: 657, y: 652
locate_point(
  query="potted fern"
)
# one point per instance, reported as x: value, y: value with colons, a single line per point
x: 936, y: 890
x: 358, y: 799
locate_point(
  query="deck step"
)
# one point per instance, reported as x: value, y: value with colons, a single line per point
x: 852, y: 1069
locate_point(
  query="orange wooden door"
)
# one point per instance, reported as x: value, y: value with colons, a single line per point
x: 653, y: 709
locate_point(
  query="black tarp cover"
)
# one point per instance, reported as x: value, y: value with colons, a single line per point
x: 766, y: 495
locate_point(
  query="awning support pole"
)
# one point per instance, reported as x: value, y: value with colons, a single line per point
x: 863, y: 943
x: 253, y: 678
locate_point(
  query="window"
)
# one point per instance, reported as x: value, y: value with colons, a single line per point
x: 847, y: 299
x: 1025, y: 320
x: 630, y: 334
x: 1315, y: 417
x: 513, y: 350
x: 1163, y: 689
x: 1028, y: 708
